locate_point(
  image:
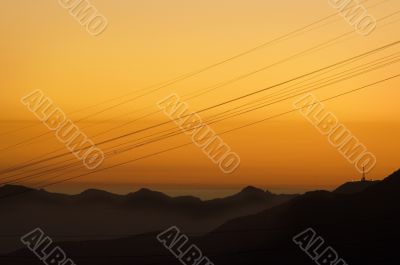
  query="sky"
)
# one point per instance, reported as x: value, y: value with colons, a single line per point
x: 149, y: 42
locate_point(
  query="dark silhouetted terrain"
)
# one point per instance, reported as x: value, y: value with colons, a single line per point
x: 362, y: 227
x: 96, y: 214
x: 355, y: 186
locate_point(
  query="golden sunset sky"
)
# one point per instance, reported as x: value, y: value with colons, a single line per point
x: 149, y: 42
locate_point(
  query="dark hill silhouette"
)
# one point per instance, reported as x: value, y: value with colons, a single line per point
x: 97, y: 212
x: 362, y: 227
x: 355, y: 186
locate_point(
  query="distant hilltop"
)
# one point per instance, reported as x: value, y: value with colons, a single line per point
x: 355, y: 186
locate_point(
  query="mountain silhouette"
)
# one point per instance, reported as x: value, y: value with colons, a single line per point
x: 97, y: 214
x: 362, y: 227
x: 355, y: 186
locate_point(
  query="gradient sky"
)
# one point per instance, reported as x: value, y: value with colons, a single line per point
x: 151, y: 41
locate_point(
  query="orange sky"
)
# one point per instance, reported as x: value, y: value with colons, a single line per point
x: 149, y: 42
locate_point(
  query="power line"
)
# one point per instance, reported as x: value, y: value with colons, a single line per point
x: 214, y: 116
x: 297, y: 78
x: 189, y: 143
x: 212, y: 88
x: 204, y: 69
